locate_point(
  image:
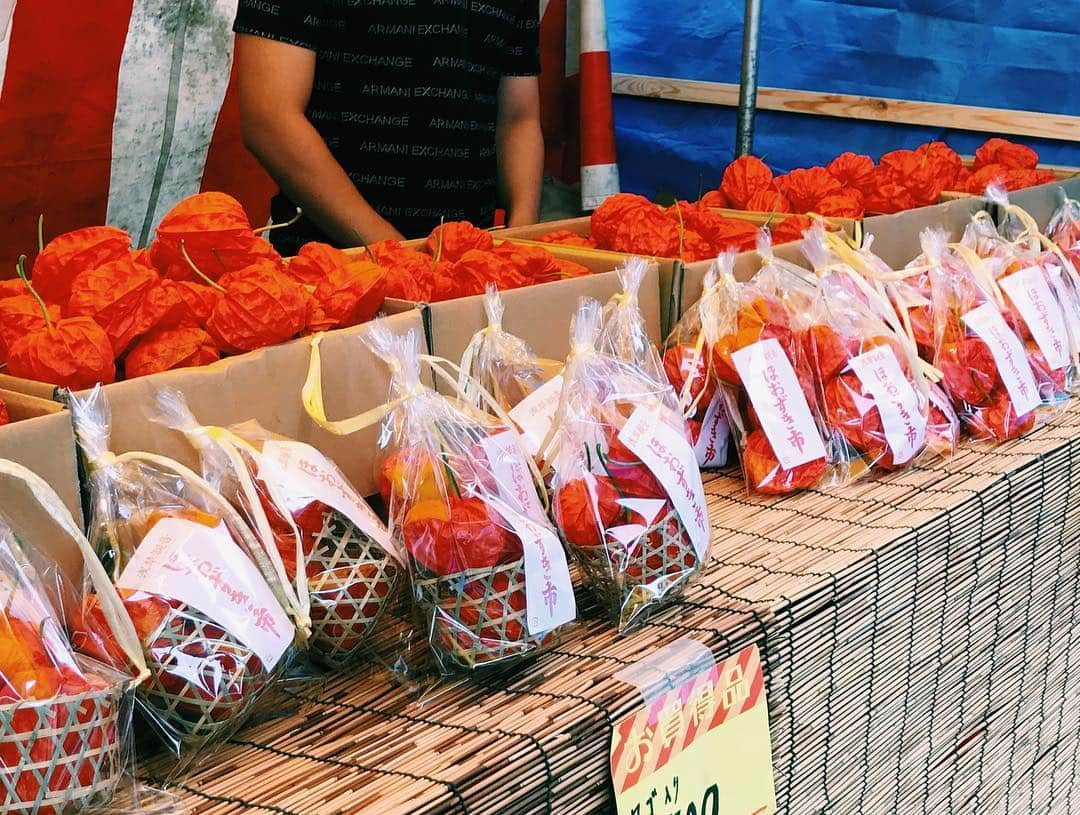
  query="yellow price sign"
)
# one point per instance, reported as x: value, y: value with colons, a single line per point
x: 701, y: 749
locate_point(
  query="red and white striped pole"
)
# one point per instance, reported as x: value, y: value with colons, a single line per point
x: 599, y: 172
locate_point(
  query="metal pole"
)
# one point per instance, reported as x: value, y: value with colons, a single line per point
x: 744, y: 136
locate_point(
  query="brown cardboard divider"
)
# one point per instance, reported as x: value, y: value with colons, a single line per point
x: 1043, y: 201
x: 896, y: 237
x: 30, y: 387
x: 541, y: 314
x: 40, y: 438
x: 265, y: 385
x: 689, y: 285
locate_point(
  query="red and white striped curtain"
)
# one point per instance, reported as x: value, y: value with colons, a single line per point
x: 111, y: 111
x: 579, y: 129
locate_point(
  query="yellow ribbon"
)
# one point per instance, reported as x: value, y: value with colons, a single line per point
x: 112, y: 608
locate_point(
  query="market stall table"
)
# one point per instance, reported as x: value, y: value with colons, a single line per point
x: 918, y: 635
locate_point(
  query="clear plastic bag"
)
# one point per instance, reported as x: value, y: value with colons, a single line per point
x: 331, y: 554
x: 870, y: 385
x: 524, y: 385
x: 628, y: 497
x: 761, y: 365
x: 985, y: 368
x: 66, y: 741
x: 490, y: 584
x: 213, y: 633
x: 624, y: 334
x: 687, y: 366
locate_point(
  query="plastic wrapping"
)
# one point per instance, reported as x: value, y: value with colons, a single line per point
x: 331, y: 554
x: 489, y: 578
x: 687, y: 366
x: 761, y: 365
x: 523, y: 385
x: 628, y: 498
x: 624, y: 334
x: 66, y: 743
x: 871, y: 388
x: 986, y: 371
x: 65, y: 721
x: 212, y: 632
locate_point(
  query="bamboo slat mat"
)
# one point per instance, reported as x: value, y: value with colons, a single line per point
x: 917, y: 631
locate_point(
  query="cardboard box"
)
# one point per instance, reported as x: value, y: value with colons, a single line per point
x: 265, y: 385
x: 896, y: 237
x: 40, y: 438
x: 687, y: 289
x: 1043, y: 201
x: 541, y: 314
x: 597, y: 260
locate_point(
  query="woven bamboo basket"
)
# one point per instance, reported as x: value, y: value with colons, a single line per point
x: 351, y: 582
x: 60, y: 755
x: 202, y: 679
x: 634, y: 579
x: 477, y: 617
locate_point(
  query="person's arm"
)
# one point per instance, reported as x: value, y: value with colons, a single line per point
x: 274, y: 85
x: 519, y: 145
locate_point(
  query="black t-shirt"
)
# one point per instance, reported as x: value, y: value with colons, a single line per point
x: 405, y: 96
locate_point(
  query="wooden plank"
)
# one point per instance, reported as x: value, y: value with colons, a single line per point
x: 845, y: 106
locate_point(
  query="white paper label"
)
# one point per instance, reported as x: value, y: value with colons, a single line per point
x: 203, y: 567
x: 1070, y: 303
x: 513, y: 479
x: 533, y: 414
x: 711, y: 447
x: 670, y: 458
x: 1033, y: 299
x: 301, y: 475
x: 1012, y: 362
x: 549, y: 593
x: 896, y: 401
x: 779, y: 402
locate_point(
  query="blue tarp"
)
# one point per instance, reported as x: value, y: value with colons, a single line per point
x: 992, y: 53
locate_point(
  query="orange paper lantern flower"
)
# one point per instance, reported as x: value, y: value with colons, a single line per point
x: 585, y: 508
x: 715, y: 198
x: 260, y: 306
x: 11, y: 288
x: 166, y: 349
x: 216, y: 235
x: 72, y: 353
x: 452, y: 535
x: 805, y: 188
x: 20, y: 315
x: 768, y: 201
x: 679, y: 364
x: 65, y: 256
x: 450, y: 241
x: 945, y: 162
x: 845, y: 204
x: 314, y: 262
x: 765, y: 475
x: 565, y: 237
x: 351, y: 294
x: 568, y: 268
x: 886, y: 195
x: 916, y: 173
x: 970, y: 373
x: 743, y: 178
x: 790, y: 229
x: 191, y: 303
x: 121, y: 297
x: 408, y: 272
x: 533, y: 264
x: 1007, y: 154
x: 852, y: 170
x: 999, y: 420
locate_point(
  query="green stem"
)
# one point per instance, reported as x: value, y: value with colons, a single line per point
x: 263, y: 229
x: 20, y: 269
x: 438, y: 243
x: 603, y: 463
x: 195, y: 269
x: 682, y: 228
x: 360, y: 237
x: 217, y: 257
x: 41, y: 233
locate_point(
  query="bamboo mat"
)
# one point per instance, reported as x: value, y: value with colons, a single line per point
x: 918, y: 638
